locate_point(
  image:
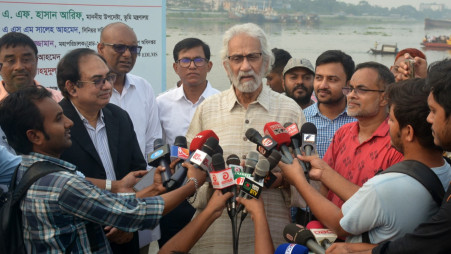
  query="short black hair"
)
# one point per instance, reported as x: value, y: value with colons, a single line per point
x: 281, y: 58
x: 68, y: 68
x: 409, y: 98
x: 385, y: 76
x: 439, y: 83
x: 337, y: 56
x: 13, y: 39
x: 19, y: 113
x: 190, y: 43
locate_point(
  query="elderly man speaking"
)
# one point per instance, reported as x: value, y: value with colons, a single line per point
x: 247, y: 104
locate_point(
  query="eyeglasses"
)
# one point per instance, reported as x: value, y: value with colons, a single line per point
x: 358, y: 90
x: 251, y: 58
x: 101, y: 81
x: 120, y: 48
x: 186, y: 62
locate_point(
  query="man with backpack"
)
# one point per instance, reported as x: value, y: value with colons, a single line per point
x: 392, y: 204
x: 61, y: 211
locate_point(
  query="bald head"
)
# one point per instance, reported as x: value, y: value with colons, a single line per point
x: 114, y: 36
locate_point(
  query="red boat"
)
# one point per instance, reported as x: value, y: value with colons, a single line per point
x: 437, y: 45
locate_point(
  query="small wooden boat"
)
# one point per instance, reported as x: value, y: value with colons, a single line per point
x: 385, y: 49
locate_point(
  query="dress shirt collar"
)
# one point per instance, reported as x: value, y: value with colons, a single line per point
x: 263, y: 98
x: 84, y: 120
x: 381, y: 131
x: 179, y: 93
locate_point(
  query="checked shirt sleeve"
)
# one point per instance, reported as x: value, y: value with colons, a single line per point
x: 84, y: 200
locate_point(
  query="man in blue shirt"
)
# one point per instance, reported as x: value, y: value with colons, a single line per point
x: 61, y: 208
x: 333, y: 71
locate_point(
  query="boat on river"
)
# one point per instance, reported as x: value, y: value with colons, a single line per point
x: 437, y: 42
x: 386, y: 49
x: 437, y: 45
x: 436, y: 23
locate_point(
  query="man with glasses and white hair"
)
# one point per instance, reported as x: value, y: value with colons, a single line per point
x: 104, y: 143
x: 246, y: 57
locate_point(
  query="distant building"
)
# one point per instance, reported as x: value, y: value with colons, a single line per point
x: 432, y: 7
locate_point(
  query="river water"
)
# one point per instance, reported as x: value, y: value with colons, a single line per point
x: 305, y: 42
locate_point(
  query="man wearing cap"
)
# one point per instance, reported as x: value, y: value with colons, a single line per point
x: 298, y: 81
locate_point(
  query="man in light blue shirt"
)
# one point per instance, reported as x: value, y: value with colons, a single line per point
x: 8, y: 163
x: 333, y: 71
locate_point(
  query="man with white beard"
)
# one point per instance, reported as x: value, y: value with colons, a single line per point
x: 247, y: 104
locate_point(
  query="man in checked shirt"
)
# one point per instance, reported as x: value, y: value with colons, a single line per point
x: 62, y: 210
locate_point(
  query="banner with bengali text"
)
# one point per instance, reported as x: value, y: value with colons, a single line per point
x: 58, y: 26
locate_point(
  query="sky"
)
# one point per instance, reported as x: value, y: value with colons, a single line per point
x: 396, y: 3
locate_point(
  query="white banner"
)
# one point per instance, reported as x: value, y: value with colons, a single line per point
x: 59, y: 26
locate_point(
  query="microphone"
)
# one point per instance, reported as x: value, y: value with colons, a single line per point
x: 253, y: 186
x: 281, y: 136
x: 161, y: 157
x: 251, y: 161
x: 202, y: 158
x: 261, y: 170
x: 291, y: 248
x: 325, y: 237
x: 221, y: 177
x: 178, y: 150
x: 295, y: 136
x: 264, y: 144
x: 273, y: 160
x: 233, y: 162
x: 294, y: 233
x: 308, y: 131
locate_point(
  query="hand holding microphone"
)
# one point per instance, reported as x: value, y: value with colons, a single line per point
x: 294, y: 233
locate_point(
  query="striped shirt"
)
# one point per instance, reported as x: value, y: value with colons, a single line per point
x: 223, y: 114
x: 57, y: 208
x: 99, y: 138
x: 326, y: 127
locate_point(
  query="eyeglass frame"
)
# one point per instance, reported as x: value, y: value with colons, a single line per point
x: 358, y: 90
x: 102, y: 82
x: 260, y: 54
x: 205, y: 61
x: 114, y: 46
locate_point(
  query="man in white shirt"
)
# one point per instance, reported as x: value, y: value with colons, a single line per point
x: 119, y: 46
x: 176, y: 108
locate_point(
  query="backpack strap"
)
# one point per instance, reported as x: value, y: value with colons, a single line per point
x: 422, y: 174
x: 34, y: 172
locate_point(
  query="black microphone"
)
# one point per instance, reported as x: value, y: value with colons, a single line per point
x: 295, y: 135
x: 294, y: 233
x: 161, y: 157
x: 308, y: 131
x: 264, y: 144
x: 180, y: 172
x: 274, y: 159
x: 233, y: 160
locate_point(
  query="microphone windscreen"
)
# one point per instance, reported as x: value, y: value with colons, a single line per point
x: 291, y: 230
x: 157, y: 143
x: 180, y: 141
x: 253, y: 135
x: 233, y: 159
x: 251, y: 161
x: 308, y: 128
x: 314, y: 224
x: 262, y: 168
x: 218, y: 162
x: 274, y: 159
x: 199, y: 140
x: 277, y: 132
x: 211, y: 145
x: 291, y: 248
